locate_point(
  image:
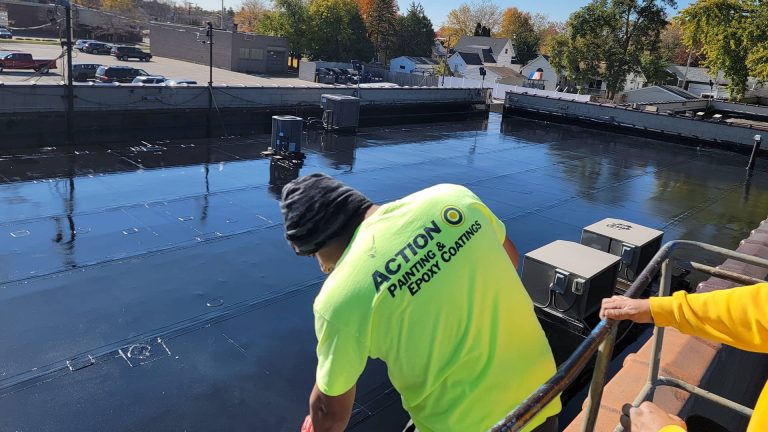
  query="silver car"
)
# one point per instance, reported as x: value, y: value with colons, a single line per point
x: 180, y: 82
x: 151, y: 79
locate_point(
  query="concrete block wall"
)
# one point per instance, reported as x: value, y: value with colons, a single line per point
x: 52, y: 98
x: 758, y: 110
x: 260, y: 42
x: 626, y: 117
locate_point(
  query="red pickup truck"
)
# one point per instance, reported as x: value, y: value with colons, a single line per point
x: 20, y: 60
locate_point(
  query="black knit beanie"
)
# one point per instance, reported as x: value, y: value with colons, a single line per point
x: 316, y: 208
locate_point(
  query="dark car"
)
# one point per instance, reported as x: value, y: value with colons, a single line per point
x: 342, y: 76
x: 5, y: 34
x: 82, y: 72
x: 80, y: 43
x: 97, y: 48
x: 126, y: 52
x: 120, y: 74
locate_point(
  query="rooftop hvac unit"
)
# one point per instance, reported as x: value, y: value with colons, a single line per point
x: 286, y: 133
x: 340, y: 112
x: 635, y: 244
x: 569, y: 279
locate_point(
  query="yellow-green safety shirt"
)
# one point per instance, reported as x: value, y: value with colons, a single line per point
x: 426, y: 286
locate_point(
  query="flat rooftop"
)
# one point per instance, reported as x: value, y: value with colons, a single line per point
x: 147, y: 286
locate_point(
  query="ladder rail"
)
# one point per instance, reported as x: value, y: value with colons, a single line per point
x: 602, y: 339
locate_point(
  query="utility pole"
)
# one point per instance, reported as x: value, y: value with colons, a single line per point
x: 210, y: 54
x: 70, y: 90
x: 209, y: 34
x: 755, y: 149
x: 687, y: 67
x: 222, y: 14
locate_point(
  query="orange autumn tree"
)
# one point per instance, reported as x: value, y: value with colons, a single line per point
x: 364, y: 6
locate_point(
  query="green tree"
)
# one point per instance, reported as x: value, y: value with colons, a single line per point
x: 653, y: 65
x: 289, y: 19
x: 733, y: 35
x: 518, y: 26
x: 380, y: 22
x: 608, y: 39
x: 415, y: 35
x: 347, y: 41
x: 442, y: 68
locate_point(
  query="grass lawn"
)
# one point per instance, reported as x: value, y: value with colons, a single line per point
x: 31, y: 41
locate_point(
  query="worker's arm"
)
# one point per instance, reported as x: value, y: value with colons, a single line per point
x: 330, y: 413
x: 649, y: 417
x: 737, y: 316
x: 512, y: 252
x: 342, y: 353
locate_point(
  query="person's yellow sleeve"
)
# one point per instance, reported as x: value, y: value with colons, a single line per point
x: 737, y: 316
x: 672, y: 428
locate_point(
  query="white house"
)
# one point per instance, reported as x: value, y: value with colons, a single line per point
x: 540, y: 74
x: 697, y: 80
x: 635, y: 81
x: 493, y: 51
x: 406, y: 64
x: 438, y: 50
x: 459, y: 61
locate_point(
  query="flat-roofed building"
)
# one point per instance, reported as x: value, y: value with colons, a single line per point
x: 235, y: 51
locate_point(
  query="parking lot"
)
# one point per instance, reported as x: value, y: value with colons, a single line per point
x: 169, y: 68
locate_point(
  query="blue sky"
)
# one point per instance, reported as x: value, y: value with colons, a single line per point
x: 438, y: 9
x: 558, y: 10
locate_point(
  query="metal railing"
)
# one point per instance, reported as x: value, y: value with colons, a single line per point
x: 603, y: 337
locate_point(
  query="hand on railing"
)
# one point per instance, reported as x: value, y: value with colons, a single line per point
x: 648, y: 417
x: 624, y: 308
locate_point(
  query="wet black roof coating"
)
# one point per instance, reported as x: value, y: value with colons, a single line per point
x: 148, y: 286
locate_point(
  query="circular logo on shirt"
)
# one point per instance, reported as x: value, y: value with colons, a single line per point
x: 453, y: 216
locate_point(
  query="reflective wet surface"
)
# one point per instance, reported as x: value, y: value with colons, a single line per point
x: 147, y: 286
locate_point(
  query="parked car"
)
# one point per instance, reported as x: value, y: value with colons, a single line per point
x: 180, y: 82
x: 125, y: 52
x: 80, y: 43
x: 97, y: 48
x: 326, y: 76
x: 342, y: 76
x: 149, y: 80
x: 120, y: 74
x: 5, y: 34
x: 21, y: 60
x: 82, y: 72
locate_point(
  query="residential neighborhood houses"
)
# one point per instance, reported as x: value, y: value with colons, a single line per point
x: 515, y: 50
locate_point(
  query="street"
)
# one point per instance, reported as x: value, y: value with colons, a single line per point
x: 169, y: 68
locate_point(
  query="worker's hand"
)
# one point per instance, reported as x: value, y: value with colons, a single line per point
x: 648, y: 417
x: 625, y: 308
x: 307, y: 425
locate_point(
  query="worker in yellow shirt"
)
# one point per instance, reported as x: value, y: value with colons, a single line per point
x: 426, y: 283
x: 737, y: 317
